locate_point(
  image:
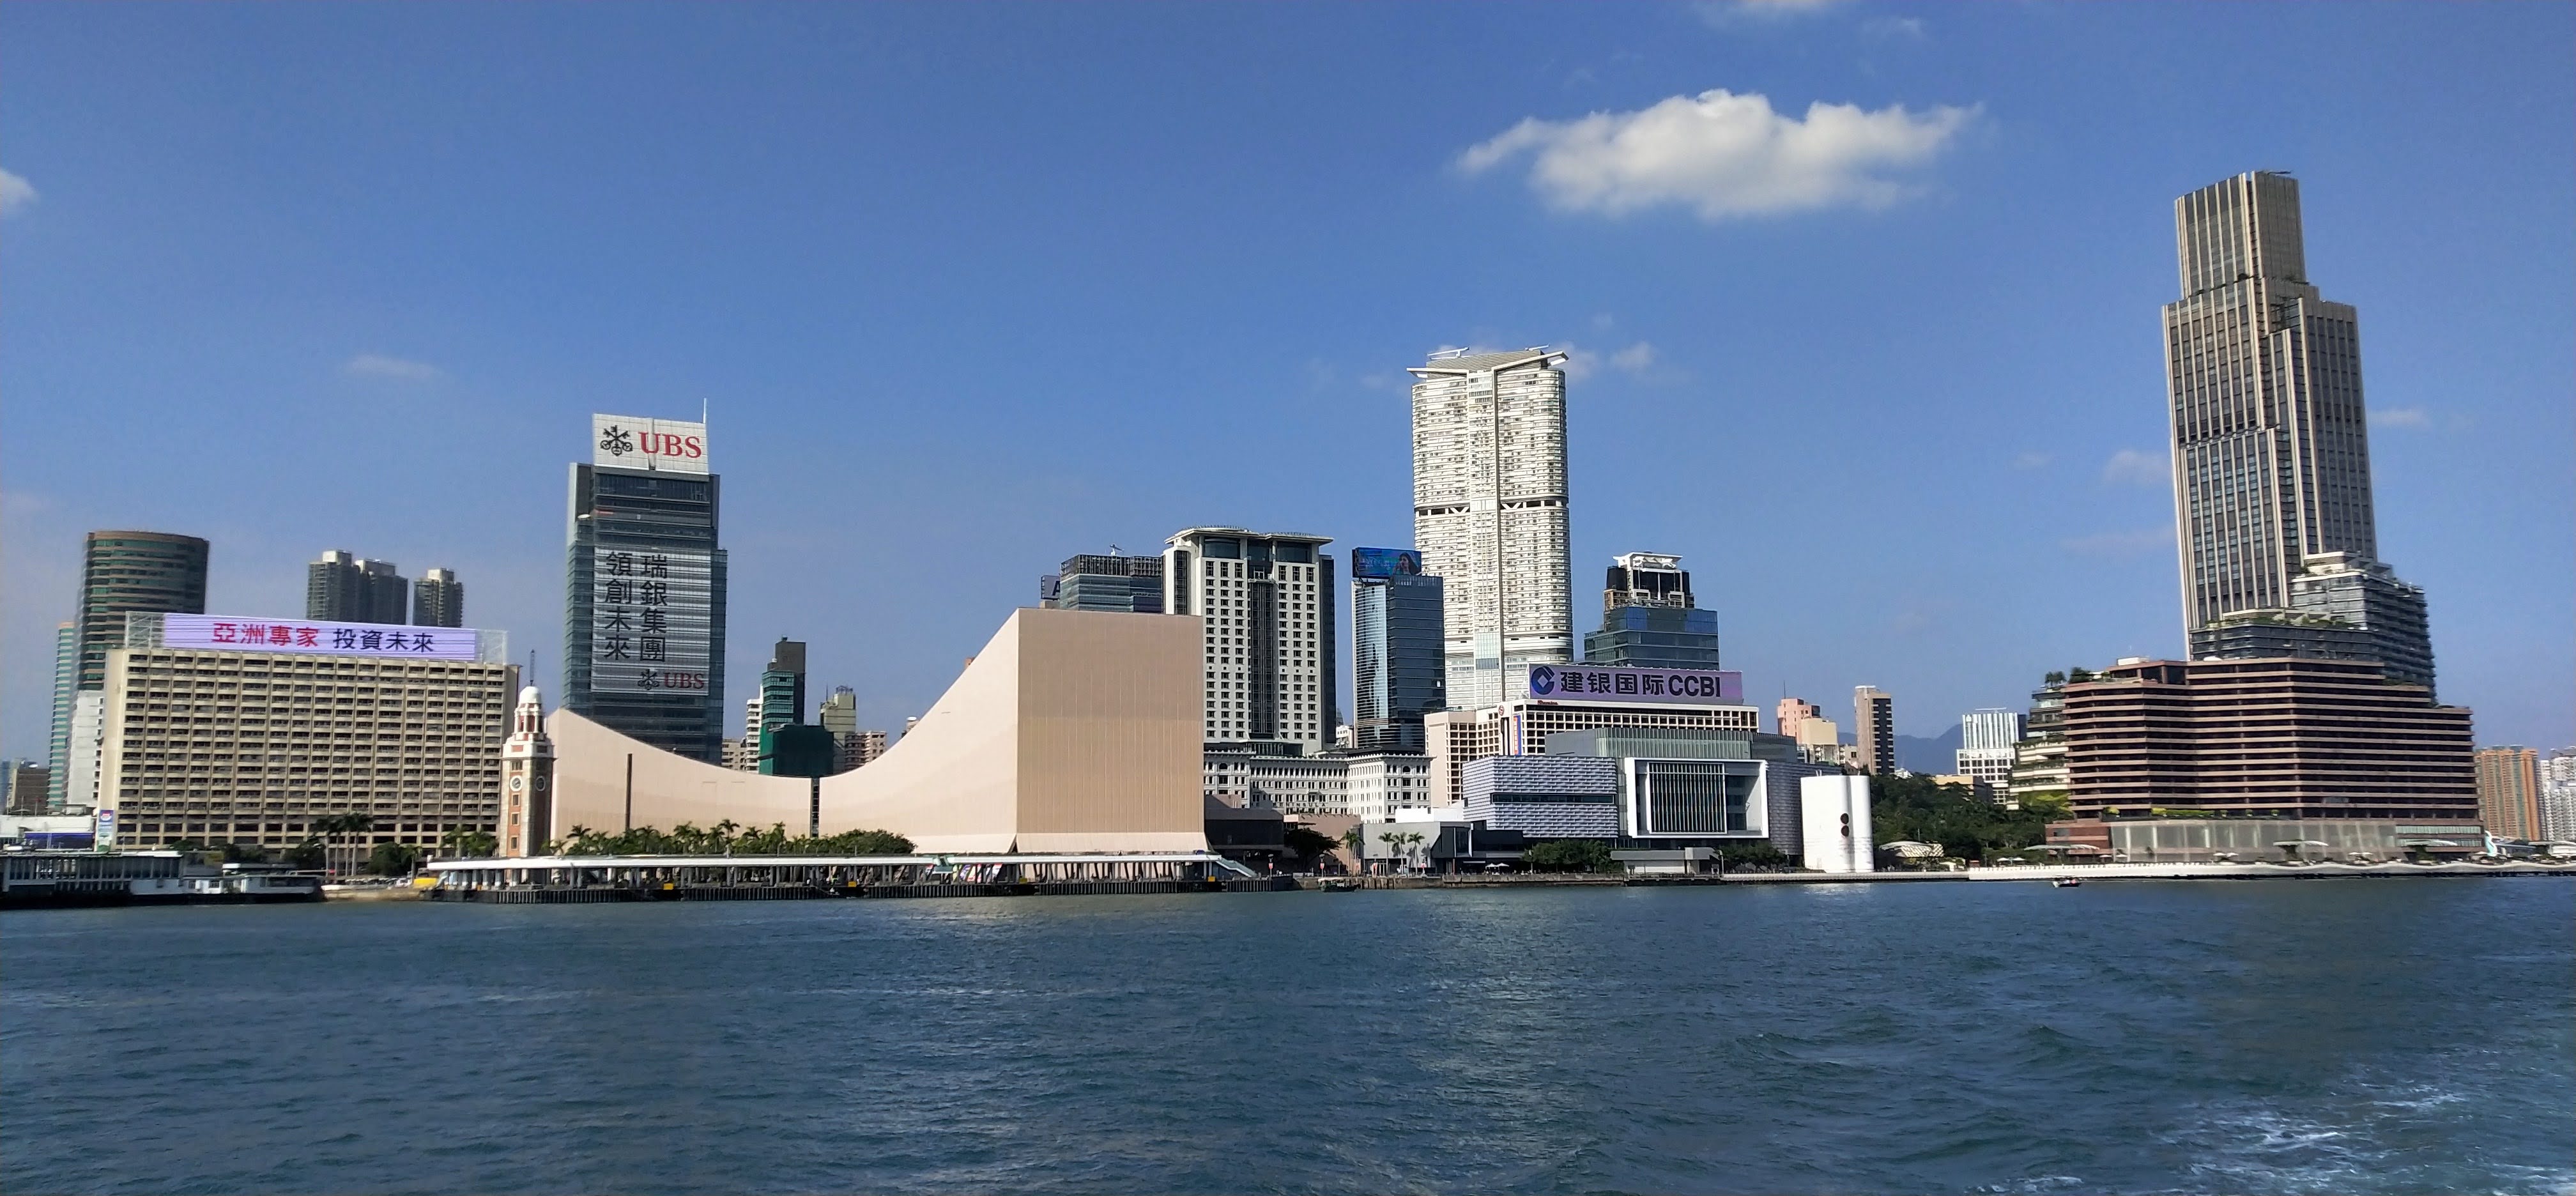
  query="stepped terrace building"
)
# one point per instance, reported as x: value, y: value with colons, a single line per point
x: 2280, y: 738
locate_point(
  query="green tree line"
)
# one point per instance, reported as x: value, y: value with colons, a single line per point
x: 725, y: 838
x: 1914, y: 808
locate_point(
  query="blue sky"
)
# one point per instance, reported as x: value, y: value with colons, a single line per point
x: 972, y: 288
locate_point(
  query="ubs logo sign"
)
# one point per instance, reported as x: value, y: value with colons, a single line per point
x: 628, y: 442
x: 1542, y: 680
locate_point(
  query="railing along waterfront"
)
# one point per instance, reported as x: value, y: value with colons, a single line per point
x: 731, y: 877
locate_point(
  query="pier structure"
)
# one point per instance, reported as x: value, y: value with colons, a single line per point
x: 560, y: 879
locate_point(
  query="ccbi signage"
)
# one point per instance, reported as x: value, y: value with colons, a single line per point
x: 234, y: 633
x: 1683, y: 687
x: 634, y: 442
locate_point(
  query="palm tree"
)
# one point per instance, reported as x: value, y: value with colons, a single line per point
x: 1403, y: 842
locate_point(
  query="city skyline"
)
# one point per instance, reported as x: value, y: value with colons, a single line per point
x: 818, y: 511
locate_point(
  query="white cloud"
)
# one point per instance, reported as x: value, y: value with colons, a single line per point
x: 1908, y: 28
x: 1720, y: 14
x: 2400, y: 417
x: 2133, y: 468
x: 1722, y: 155
x: 15, y: 193
x: 2120, y: 544
x: 1636, y: 358
x: 376, y: 365
x: 2032, y: 461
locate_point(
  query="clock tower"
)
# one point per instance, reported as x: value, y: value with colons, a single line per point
x: 527, y: 779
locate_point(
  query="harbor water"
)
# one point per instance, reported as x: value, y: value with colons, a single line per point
x: 2292, y: 1036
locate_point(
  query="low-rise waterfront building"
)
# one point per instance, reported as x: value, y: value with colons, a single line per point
x: 1247, y: 777
x: 1383, y: 782
x: 242, y: 730
x: 2284, y: 737
x: 2256, y: 840
x: 1563, y: 698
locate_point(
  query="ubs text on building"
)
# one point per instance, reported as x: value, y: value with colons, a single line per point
x: 644, y: 636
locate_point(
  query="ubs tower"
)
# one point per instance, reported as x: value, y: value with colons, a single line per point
x: 644, y: 600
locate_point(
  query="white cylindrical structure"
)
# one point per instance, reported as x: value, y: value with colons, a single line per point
x: 1834, y: 814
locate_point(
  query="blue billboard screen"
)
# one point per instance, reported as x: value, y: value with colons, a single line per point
x: 1385, y: 562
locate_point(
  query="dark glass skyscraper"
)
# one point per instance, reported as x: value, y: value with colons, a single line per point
x: 645, y: 606
x: 1397, y: 669
x: 1648, y: 618
x: 1112, y: 583
x: 124, y: 572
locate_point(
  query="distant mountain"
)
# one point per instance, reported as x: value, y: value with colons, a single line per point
x: 1939, y: 755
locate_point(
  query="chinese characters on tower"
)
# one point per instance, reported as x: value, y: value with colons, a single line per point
x: 651, y: 616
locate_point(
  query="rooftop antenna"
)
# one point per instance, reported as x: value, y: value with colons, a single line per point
x: 1115, y: 550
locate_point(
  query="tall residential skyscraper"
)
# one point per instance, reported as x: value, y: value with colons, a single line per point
x: 644, y: 633
x: 1874, y: 726
x: 1267, y: 600
x: 2509, y: 792
x: 58, y: 748
x: 1489, y: 514
x: 123, y: 572
x: 1649, y: 619
x: 438, y: 600
x: 346, y: 588
x: 1397, y: 670
x: 1088, y: 581
x: 2558, y: 795
x: 1989, y: 741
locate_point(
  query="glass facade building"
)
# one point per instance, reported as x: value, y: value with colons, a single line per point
x: 1131, y: 584
x: 126, y: 572
x: 1649, y: 619
x: 1397, y: 671
x: 644, y: 625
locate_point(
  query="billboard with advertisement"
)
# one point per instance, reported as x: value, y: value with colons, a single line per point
x: 635, y: 442
x: 1606, y: 683
x: 652, y: 619
x: 1385, y: 562
x: 235, y: 633
x: 103, y: 836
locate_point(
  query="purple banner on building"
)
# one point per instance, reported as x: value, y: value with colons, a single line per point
x: 233, y: 633
x: 1584, y: 682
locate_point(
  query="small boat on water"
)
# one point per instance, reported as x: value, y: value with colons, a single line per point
x: 2065, y: 882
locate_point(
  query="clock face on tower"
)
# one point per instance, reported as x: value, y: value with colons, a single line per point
x: 518, y: 783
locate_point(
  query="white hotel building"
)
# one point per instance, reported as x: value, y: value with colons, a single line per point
x: 1267, y: 604
x: 1489, y: 495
